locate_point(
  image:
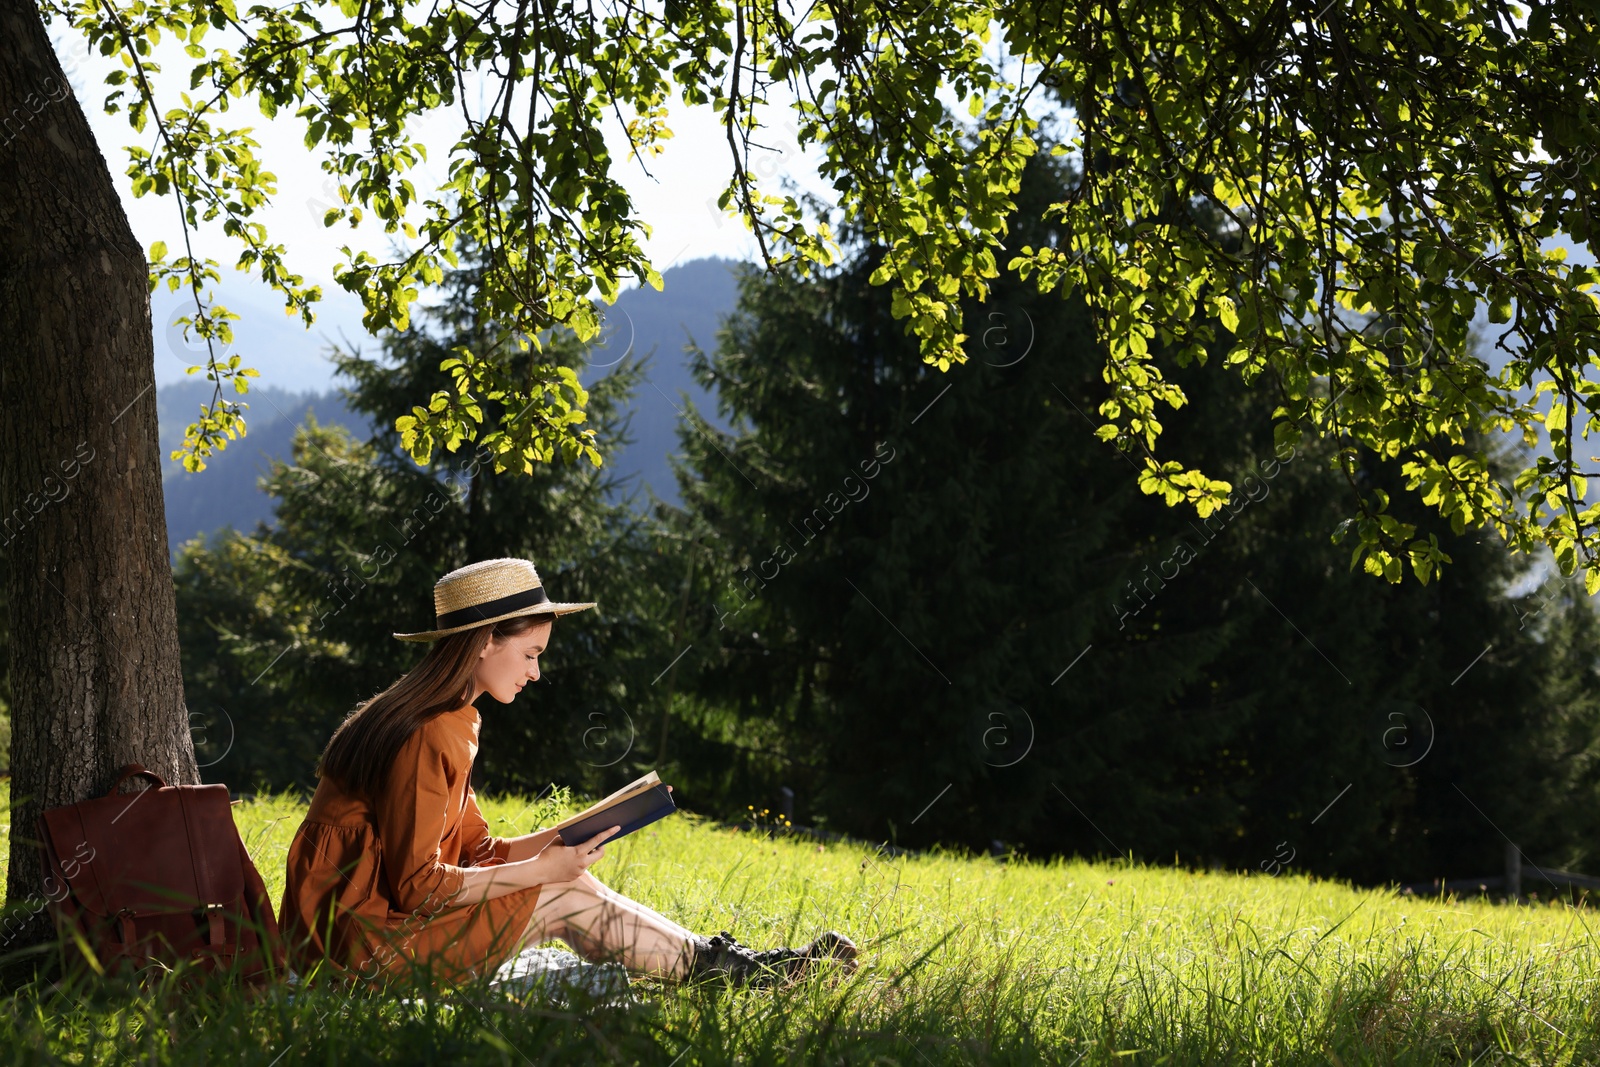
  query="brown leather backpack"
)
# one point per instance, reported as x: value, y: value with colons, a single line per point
x: 158, y: 876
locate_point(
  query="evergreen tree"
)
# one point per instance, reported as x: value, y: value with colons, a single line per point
x: 286, y: 628
x: 950, y: 616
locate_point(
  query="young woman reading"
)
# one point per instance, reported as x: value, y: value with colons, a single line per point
x: 394, y: 865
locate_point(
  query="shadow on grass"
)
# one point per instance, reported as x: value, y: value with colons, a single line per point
x: 1014, y: 1010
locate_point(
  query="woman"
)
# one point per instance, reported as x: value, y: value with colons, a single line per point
x: 394, y: 865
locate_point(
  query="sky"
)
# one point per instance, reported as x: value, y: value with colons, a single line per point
x: 677, y: 198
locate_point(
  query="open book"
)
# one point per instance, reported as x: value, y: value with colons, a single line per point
x: 636, y: 804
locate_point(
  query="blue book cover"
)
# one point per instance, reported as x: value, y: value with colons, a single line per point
x: 634, y: 806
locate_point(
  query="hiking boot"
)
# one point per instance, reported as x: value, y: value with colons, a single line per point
x: 830, y: 945
x: 723, y: 956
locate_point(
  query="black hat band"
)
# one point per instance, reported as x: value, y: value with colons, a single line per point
x: 492, y: 609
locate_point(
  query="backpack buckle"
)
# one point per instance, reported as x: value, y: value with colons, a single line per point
x: 214, y: 927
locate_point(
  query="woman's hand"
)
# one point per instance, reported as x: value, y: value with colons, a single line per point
x: 563, y: 863
x: 528, y: 846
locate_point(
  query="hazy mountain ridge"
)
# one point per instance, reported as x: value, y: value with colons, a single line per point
x: 227, y: 492
x: 694, y: 298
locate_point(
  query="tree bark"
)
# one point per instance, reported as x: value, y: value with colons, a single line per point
x: 95, y: 676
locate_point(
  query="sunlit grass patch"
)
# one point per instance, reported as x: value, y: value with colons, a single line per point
x: 963, y: 960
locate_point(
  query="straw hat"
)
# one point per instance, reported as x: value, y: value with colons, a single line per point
x: 486, y: 592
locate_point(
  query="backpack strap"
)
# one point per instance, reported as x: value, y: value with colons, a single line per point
x: 135, y: 770
x: 200, y: 857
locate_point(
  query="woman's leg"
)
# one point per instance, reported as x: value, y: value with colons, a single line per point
x: 634, y: 905
x: 602, y: 924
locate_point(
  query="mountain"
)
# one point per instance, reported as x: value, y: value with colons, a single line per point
x: 226, y: 493
x: 690, y: 307
x: 694, y: 298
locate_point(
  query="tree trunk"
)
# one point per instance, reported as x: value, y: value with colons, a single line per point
x: 95, y: 676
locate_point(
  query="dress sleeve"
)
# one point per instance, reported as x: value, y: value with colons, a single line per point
x: 478, y: 847
x: 411, y: 818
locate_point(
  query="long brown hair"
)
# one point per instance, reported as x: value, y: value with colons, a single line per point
x: 361, y: 750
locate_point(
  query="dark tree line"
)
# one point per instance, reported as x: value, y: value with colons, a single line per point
x: 1004, y: 639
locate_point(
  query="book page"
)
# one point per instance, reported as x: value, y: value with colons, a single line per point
x: 635, y: 786
x: 638, y: 786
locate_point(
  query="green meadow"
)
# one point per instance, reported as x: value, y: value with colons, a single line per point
x: 964, y: 960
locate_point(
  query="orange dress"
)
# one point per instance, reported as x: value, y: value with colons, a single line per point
x: 369, y: 884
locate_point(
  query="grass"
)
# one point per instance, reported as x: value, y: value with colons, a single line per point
x: 964, y: 961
